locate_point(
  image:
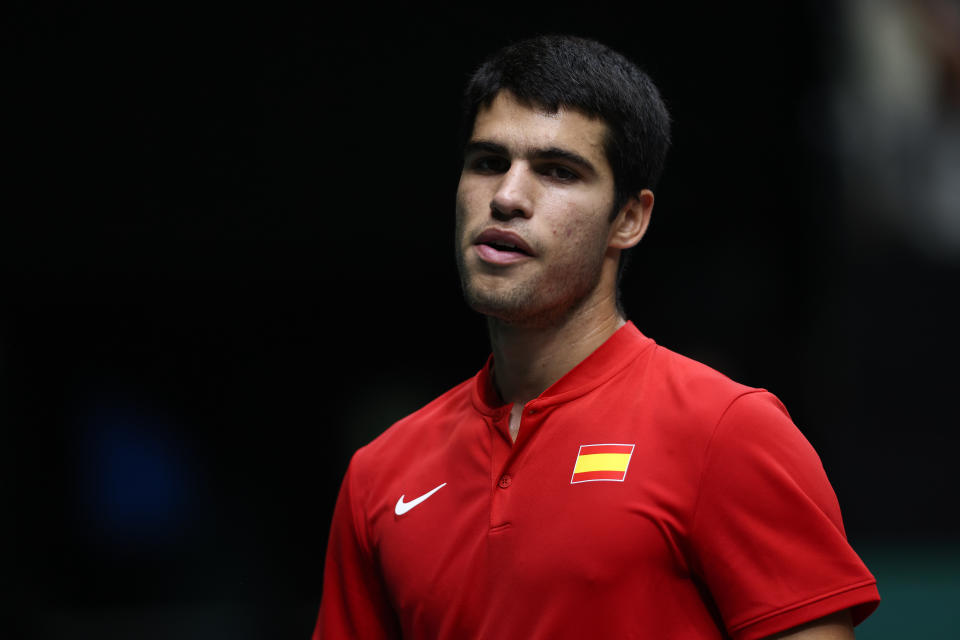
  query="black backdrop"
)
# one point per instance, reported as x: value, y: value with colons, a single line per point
x: 227, y: 262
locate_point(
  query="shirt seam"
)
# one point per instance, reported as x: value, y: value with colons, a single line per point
x: 707, y: 455
x: 572, y: 394
x: 802, y: 603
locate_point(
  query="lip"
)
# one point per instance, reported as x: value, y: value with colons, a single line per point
x: 487, y: 253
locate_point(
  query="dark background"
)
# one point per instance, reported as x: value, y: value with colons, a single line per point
x: 227, y: 262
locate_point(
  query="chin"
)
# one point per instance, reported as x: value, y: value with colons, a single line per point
x: 514, y: 308
x: 507, y: 306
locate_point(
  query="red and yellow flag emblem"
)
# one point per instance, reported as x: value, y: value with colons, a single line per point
x: 602, y: 462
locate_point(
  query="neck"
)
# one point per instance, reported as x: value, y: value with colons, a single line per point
x: 527, y: 360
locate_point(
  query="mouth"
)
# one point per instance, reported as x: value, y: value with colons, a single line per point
x: 498, y: 246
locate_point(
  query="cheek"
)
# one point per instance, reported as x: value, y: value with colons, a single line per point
x: 464, y: 206
x: 581, y: 228
x: 469, y: 202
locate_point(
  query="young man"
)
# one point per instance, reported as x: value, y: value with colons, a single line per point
x: 586, y: 482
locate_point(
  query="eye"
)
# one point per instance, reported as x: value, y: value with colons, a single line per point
x: 488, y: 164
x: 560, y: 172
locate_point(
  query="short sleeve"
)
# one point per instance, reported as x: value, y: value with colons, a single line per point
x: 767, y: 537
x: 354, y: 603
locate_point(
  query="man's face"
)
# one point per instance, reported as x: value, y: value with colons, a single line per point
x: 533, y: 213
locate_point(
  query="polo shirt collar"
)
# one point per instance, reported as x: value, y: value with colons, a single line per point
x: 619, y: 350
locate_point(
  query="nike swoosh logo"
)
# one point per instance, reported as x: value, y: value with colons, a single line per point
x: 402, y: 507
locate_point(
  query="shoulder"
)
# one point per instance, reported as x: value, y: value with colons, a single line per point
x: 419, y: 430
x: 693, y: 391
x: 683, y: 373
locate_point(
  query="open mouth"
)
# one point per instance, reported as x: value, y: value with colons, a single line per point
x: 502, y: 243
x: 501, y: 248
x: 506, y: 247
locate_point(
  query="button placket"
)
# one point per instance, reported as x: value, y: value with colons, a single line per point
x: 504, y: 460
x: 501, y: 451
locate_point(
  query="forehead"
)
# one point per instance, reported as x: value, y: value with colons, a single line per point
x: 523, y: 128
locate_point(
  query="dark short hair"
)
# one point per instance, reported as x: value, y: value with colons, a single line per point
x: 556, y: 71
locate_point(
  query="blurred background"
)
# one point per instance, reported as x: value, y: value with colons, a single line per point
x: 227, y: 262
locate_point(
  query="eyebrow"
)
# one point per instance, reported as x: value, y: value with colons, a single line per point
x: 548, y: 153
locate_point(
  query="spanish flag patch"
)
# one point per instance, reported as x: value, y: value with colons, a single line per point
x: 602, y: 462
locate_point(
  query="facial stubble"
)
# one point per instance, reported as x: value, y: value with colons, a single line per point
x: 538, y: 300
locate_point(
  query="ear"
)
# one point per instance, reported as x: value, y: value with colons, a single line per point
x: 632, y: 220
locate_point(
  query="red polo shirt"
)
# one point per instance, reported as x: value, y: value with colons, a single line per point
x: 646, y: 496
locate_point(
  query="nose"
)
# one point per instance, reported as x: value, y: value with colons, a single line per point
x: 514, y: 197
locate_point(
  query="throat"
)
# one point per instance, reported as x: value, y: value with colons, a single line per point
x: 516, y: 412
x: 527, y: 361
